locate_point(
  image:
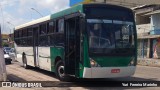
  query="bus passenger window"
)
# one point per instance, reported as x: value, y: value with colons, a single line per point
x: 16, y: 34
x: 43, y: 29
x: 24, y: 42
x: 61, y: 25
x: 29, y: 31
x: 43, y: 40
x: 20, y: 33
x: 51, y: 27
x: 25, y: 33
x: 30, y: 41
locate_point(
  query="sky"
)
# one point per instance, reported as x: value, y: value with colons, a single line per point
x: 72, y: 2
x: 18, y: 12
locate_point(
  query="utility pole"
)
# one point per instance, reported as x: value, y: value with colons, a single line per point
x: 3, y: 74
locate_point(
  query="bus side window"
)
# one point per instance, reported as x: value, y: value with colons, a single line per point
x: 25, y: 32
x: 16, y: 34
x: 20, y: 38
x: 59, y: 37
x: 61, y: 25
x: 51, y: 32
x: 51, y: 27
x: 43, y: 40
x: 16, y: 37
x: 30, y: 41
x: 52, y: 39
x: 30, y: 31
x: 30, y: 34
x: 43, y: 29
x: 20, y: 33
x: 24, y: 42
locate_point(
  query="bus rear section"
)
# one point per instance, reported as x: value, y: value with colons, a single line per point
x: 110, y: 46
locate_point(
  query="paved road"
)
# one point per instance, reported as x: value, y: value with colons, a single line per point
x: 17, y: 73
x: 143, y: 73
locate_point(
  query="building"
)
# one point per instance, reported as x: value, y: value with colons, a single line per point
x: 148, y: 29
x: 129, y: 3
x: 7, y: 40
x: 126, y: 3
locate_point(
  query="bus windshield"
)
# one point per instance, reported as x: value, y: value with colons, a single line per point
x: 107, y: 35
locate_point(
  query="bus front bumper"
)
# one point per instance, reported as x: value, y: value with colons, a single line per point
x: 108, y: 72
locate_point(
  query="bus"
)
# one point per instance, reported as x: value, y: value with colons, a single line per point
x: 84, y: 41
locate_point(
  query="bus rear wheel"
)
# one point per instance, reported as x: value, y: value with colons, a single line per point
x: 25, y: 62
x: 60, y: 71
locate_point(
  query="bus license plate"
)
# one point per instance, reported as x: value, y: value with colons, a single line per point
x: 115, y: 71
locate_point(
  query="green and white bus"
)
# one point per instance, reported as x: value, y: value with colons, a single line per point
x: 84, y: 41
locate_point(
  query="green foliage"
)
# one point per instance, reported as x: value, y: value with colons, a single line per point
x: 4, y: 44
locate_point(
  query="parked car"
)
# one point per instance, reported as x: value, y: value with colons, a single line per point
x: 12, y: 54
x: 7, y: 58
x: 7, y: 49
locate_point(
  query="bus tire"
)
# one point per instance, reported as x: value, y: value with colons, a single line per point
x: 25, y: 62
x: 60, y: 71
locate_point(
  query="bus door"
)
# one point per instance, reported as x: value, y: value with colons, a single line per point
x: 35, y: 46
x: 72, y: 46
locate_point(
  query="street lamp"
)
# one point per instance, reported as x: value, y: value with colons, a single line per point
x: 10, y: 24
x: 11, y: 34
x: 37, y: 12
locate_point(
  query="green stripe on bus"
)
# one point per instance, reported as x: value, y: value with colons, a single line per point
x: 112, y: 61
x: 55, y: 52
x: 77, y: 8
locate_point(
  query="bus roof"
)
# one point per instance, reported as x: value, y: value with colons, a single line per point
x: 33, y: 22
x: 76, y: 8
x: 52, y: 16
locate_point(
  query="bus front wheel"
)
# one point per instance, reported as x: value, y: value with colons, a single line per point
x: 60, y: 71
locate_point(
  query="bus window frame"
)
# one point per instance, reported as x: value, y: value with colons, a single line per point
x: 60, y: 25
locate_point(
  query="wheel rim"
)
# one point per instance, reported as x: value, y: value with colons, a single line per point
x: 61, y: 71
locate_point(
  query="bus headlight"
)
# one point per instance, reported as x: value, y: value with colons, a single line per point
x: 132, y: 62
x: 94, y: 63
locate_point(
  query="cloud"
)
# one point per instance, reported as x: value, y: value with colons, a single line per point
x: 6, y: 27
x: 19, y: 11
x: 43, y: 6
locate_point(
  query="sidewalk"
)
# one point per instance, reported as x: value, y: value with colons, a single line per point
x: 148, y: 62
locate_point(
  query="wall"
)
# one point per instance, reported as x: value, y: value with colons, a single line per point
x: 143, y: 28
x: 130, y: 3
